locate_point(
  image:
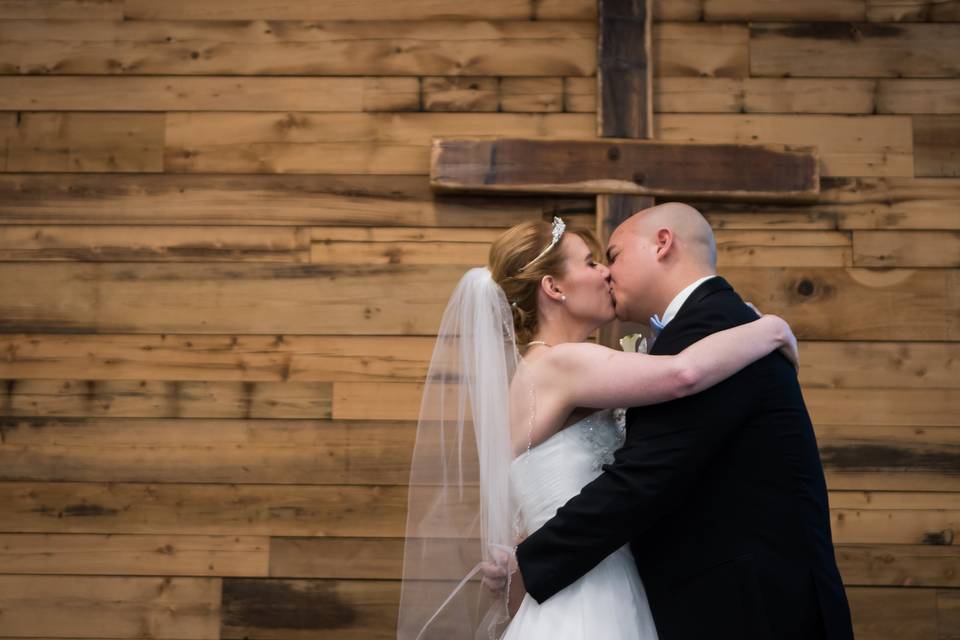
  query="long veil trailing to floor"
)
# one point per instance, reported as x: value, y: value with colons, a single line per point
x: 461, y: 510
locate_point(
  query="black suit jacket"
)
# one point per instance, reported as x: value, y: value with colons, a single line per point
x: 722, y: 497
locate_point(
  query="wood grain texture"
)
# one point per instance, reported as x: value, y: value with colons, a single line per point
x: 102, y: 243
x: 255, y: 200
x: 855, y: 49
x: 86, y: 142
x: 155, y: 555
x: 277, y: 47
x: 918, y: 96
x: 126, y: 607
x: 822, y: 303
x: 623, y: 166
x: 906, y: 249
x: 846, y: 145
x: 62, y: 9
x: 208, y: 93
x: 339, y: 143
x: 624, y: 69
x: 361, y: 11
x: 937, y: 146
x: 698, y: 50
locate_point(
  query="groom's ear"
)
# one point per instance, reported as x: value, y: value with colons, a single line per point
x: 664, y: 242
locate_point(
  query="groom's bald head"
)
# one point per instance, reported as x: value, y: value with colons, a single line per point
x: 655, y: 253
x: 691, y: 231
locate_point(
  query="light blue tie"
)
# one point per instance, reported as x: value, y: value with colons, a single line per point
x: 656, y: 325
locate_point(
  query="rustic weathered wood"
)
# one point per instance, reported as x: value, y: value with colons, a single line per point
x: 335, y: 143
x: 260, y: 200
x: 783, y: 249
x: 389, y: 48
x: 537, y: 95
x: 696, y: 50
x: 880, y: 365
x: 285, y: 451
x: 282, y: 451
x: 855, y: 203
x: 855, y: 49
x: 62, y: 9
x: 900, y: 565
x: 624, y: 69
x: 242, y: 357
x: 452, y: 93
x: 906, y: 249
x: 918, y: 96
x: 913, y: 10
x: 847, y: 146
x: 310, y: 609
x: 84, y: 142
x: 924, y: 407
x: 936, y: 142
x: 99, y: 243
x: 211, y: 93
x: 203, y: 509
x: 894, y: 614
x: 822, y: 303
x: 347, y: 10
x: 767, y: 10
x: 624, y: 166
x: 110, y: 607
x: 158, y: 555
x: 166, y: 399
x: 250, y: 357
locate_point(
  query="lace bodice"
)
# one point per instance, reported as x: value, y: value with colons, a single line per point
x: 548, y: 475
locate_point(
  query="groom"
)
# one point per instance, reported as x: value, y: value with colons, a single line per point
x: 721, y: 495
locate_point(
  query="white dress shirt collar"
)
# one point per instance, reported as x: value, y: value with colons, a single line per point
x: 680, y: 298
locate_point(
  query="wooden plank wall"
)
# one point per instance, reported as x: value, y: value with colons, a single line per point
x: 220, y: 267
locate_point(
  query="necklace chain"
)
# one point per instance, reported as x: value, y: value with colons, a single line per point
x: 530, y: 344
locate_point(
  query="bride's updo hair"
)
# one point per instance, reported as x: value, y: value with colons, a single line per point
x: 515, y: 248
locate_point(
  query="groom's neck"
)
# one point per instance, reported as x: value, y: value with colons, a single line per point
x: 677, y: 282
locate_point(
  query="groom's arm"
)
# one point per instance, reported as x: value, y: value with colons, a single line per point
x: 651, y: 473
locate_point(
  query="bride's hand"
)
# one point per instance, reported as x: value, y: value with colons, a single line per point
x: 790, y: 347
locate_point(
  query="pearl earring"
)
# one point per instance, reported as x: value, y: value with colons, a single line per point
x: 563, y: 297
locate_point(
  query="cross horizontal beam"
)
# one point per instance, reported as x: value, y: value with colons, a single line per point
x: 625, y: 166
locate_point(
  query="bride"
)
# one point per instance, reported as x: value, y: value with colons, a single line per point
x: 519, y: 412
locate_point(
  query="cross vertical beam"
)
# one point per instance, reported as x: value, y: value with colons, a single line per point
x: 624, y: 108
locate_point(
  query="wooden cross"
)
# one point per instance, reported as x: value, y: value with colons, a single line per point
x: 624, y: 168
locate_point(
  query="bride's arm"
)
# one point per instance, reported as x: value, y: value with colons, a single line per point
x: 590, y: 375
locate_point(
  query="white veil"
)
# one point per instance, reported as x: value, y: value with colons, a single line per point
x: 461, y: 509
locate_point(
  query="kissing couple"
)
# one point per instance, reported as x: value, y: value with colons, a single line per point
x: 674, y: 494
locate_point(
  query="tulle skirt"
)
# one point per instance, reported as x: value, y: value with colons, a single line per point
x: 609, y: 602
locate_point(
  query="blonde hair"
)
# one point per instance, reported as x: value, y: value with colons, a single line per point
x: 517, y: 247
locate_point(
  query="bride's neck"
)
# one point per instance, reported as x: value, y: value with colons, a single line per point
x: 557, y: 330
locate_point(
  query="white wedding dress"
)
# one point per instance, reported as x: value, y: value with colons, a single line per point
x: 609, y: 601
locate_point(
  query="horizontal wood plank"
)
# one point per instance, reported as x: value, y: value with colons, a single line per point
x: 309, y: 358
x: 855, y: 50
x: 821, y: 303
x: 102, y: 243
x: 906, y: 249
x: 937, y: 146
x: 918, y: 96
x: 900, y: 458
x: 365, y: 11
x: 698, y: 50
x: 157, y: 555
x: 261, y: 200
x: 125, y: 607
x: 847, y: 145
x: 209, y: 93
x: 202, y: 509
x: 623, y: 166
x: 166, y: 399
x: 86, y: 142
x: 339, y: 143
x: 299, y: 48
x: 62, y: 9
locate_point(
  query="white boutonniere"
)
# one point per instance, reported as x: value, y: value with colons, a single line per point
x: 633, y: 343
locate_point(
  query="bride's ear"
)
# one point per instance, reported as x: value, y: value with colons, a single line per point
x: 548, y: 284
